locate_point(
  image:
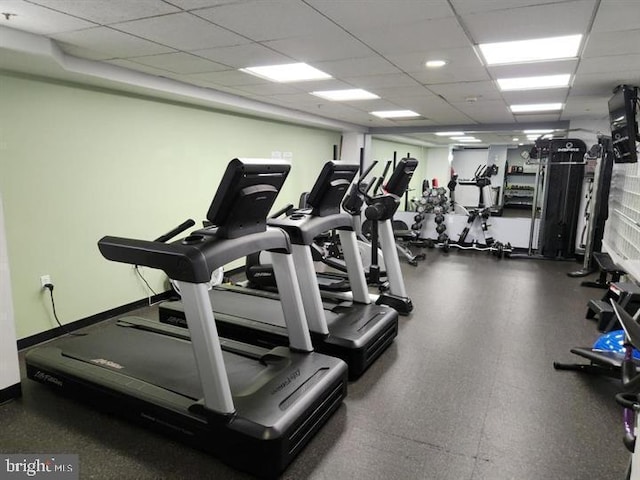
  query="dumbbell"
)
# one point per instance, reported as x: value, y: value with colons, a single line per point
x: 441, y: 228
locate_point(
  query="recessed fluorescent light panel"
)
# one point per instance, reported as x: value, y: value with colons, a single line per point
x: 449, y: 134
x: 344, y: 95
x: 290, y: 72
x: 466, y: 139
x: 528, y: 83
x: 435, y: 63
x: 552, y: 48
x: 395, y: 114
x: 536, y: 107
x: 539, y: 132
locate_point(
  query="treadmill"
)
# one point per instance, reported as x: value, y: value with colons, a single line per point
x: 355, y: 330
x: 255, y: 408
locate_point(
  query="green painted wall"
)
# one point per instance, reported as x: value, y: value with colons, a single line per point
x: 77, y: 164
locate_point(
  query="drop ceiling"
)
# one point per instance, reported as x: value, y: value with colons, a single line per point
x: 378, y: 45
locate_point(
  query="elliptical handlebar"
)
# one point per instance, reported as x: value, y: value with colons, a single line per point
x: 382, y: 177
x: 365, y: 193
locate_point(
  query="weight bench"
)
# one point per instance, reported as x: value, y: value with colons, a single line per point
x: 606, y: 266
x: 625, y: 294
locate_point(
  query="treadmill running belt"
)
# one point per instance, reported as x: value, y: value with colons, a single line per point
x: 262, y: 309
x: 135, y: 353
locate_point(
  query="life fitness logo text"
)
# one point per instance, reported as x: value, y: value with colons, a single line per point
x: 50, y: 467
x: 569, y: 148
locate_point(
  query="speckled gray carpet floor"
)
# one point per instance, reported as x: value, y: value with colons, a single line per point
x: 467, y: 392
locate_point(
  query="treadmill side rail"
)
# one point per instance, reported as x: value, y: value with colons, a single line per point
x: 291, y: 299
x: 355, y: 270
x: 206, y: 347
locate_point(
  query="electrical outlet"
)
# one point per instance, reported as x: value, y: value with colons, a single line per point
x: 45, y: 280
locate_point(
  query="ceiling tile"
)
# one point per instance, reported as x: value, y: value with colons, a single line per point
x: 393, y: 93
x: 533, y: 69
x: 40, y: 20
x: 563, y: 18
x: 182, y: 31
x: 585, y: 106
x: 372, y: 65
x: 598, y: 84
x: 617, y: 15
x: 610, y: 63
x: 397, y: 80
x: 451, y: 75
x: 456, y: 92
x: 437, y: 34
x: 270, y: 88
x: 112, y: 11
x: 464, y: 7
x: 247, y: 55
x: 486, y: 111
x: 229, y: 78
x: 112, y: 42
x: 180, y: 62
x: 272, y: 20
x: 373, y: 105
x: 456, y: 58
x: 321, y: 47
x: 435, y: 108
x: 542, y: 117
x: 613, y: 43
x: 542, y: 95
x: 326, y: 84
x: 299, y: 99
x: 193, y: 4
x: 359, y: 16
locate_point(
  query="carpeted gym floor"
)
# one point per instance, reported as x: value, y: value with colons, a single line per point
x: 467, y: 392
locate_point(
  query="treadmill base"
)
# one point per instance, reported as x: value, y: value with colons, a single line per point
x: 293, y: 407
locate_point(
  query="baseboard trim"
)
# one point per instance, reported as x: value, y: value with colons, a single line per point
x: 10, y: 392
x: 93, y: 319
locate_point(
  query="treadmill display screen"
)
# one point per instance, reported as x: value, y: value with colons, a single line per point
x: 245, y: 196
x: 330, y: 188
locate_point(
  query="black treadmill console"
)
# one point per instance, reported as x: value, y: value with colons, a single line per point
x: 247, y: 192
x: 330, y: 188
x: 239, y: 211
x: 401, y: 176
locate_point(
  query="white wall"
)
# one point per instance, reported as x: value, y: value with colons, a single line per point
x: 438, y: 165
x: 9, y: 371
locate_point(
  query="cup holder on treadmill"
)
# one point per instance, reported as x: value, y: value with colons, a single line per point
x: 192, y: 239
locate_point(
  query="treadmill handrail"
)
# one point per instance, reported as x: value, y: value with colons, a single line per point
x: 195, y: 257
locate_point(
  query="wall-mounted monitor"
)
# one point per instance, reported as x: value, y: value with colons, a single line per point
x: 623, y: 109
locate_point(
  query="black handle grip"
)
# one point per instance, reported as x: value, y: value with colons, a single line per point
x: 172, y: 233
x: 282, y: 211
x: 378, y: 184
x: 627, y: 400
x: 367, y: 170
